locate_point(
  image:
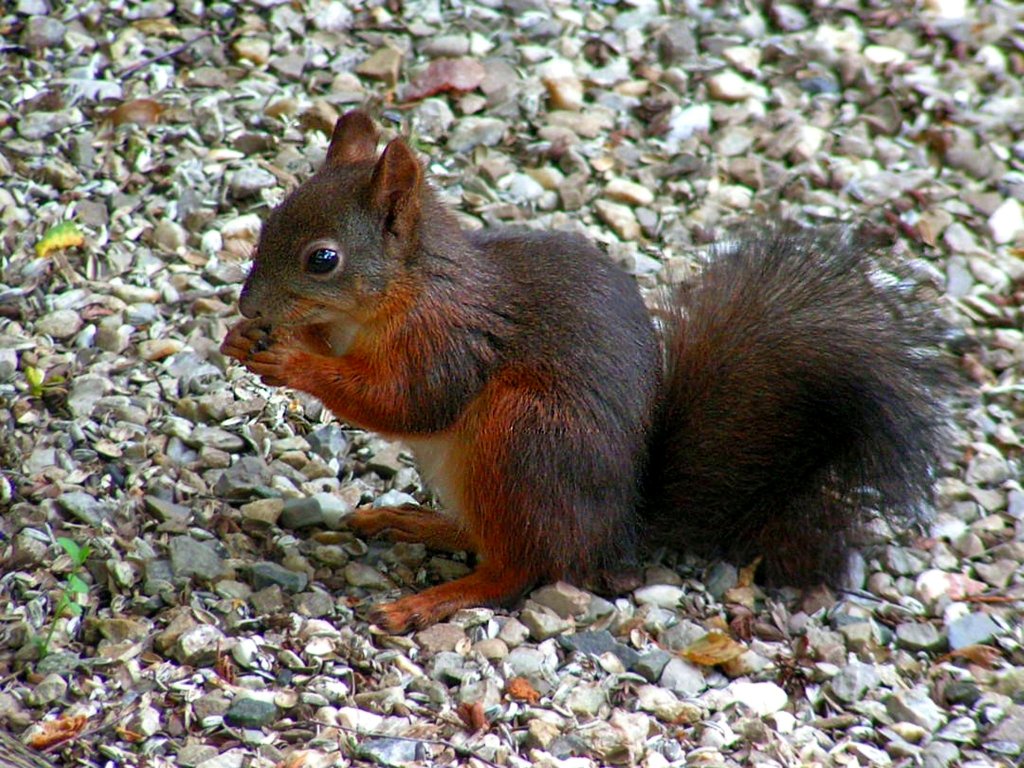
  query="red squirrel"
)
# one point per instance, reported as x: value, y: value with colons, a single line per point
x: 777, y: 399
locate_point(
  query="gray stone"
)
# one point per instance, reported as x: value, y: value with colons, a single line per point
x: 440, y: 637
x: 328, y: 441
x: 562, y: 598
x: 249, y: 182
x: 84, y: 507
x: 40, y: 125
x: 972, y: 629
x: 268, y: 574
x: 682, y: 678
x: 916, y: 706
x: 195, y: 558
x: 43, y: 32
x: 544, y: 624
x: 301, y: 513
x: 391, y: 752
x: 917, y: 636
x: 251, y: 712
x: 366, y: 576
x: 60, y: 324
x: 471, y: 132
x: 652, y: 663
x: 853, y: 681
x: 598, y: 643
x: 199, y: 646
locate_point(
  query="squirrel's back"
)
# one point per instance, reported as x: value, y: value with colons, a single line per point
x: 803, y: 390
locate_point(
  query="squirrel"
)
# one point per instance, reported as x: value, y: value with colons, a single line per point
x: 766, y: 408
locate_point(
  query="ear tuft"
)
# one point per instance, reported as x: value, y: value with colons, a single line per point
x: 397, y: 180
x: 354, y: 139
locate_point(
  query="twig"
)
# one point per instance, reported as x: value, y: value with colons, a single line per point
x: 133, y: 68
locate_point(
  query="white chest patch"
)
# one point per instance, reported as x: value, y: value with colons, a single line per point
x: 440, y: 467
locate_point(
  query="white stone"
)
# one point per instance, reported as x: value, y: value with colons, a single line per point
x: 883, y: 55
x: 730, y: 86
x: 1006, y: 222
x: 630, y: 192
x: 761, y: 698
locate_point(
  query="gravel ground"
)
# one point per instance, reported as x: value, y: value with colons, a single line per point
x: 216, y: 618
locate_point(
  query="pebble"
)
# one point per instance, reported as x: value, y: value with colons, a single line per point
x: 682, y: 678
x: 730, y: 86
x: 471, y: 132
x: 562, y: 598
x: 268, y: 574
x: 60, y: 324
x: 915, y: 706
x: 199, y: 646
x: 543, y: 623
x: 1007, y: 222
x: 249, y: 182
x: 916, y: 636
x: 760, y: 698
x: 440, y: 637
x: 251, y: 712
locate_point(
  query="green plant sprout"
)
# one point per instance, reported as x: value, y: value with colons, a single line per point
x: 73, y: 585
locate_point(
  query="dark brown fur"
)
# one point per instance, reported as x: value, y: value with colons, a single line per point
x: 524, y: 370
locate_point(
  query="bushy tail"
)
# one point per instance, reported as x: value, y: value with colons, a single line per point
x: 804, y: 389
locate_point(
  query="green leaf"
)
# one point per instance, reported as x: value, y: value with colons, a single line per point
x: 75, y: 584
x: 35, y: 378
x: 71, y: 547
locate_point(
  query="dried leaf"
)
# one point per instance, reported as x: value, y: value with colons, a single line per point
x: 442, y: 75
x: 473, y: 716
x: 520, y: 689
x: 57, y: 731
x: 713, y: 648
x: 139, y: 111
x: 57, y: 238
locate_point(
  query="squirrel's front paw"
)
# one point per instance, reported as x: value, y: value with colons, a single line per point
x: 256, y: 347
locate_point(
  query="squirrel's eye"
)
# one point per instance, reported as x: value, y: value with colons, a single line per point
x: 322, y: 260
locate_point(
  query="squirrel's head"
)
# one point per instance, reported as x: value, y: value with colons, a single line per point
x: 336, y: 243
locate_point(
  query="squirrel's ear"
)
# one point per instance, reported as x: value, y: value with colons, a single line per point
x: 396, y: 186
x: 354, y: 139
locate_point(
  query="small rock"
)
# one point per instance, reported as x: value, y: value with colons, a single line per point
x: 365, y: 576
x: 384, y: 64
x: 471, y: 132
x: 251, y: 712
x: 249, y: 182
x: 629, y: 192
x: 682, y: 678
x: 652, y: 664
x: 199, y: 646
x: 761, y: 698
x: 195, y: 558
x: 440, y: 637
x: 301, y: 513
x: 267, y: 574
x: 544, y: 624
x: 972, y: 629
x: 41, y: 32
x: 620, y: 218
x: 263, y: 510
x: 915, y: 706
x: 730, y: 86
x: 664, y: 705
x: 1007, y: 222
x: 853, y: 681
x: 562, y: 598
x: 60, y: 324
